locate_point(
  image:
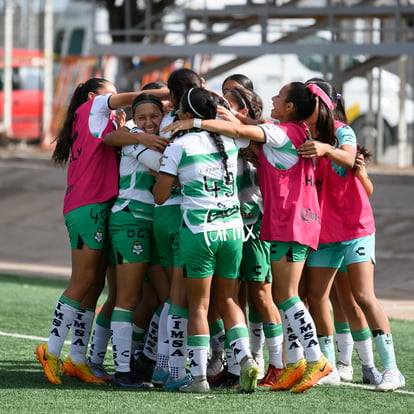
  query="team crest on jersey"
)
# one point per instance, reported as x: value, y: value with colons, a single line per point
x: 137, y: 248
x: 99, y: 236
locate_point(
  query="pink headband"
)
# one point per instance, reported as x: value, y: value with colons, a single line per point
x: 316, y: 90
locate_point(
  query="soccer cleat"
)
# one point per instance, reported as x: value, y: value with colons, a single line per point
x: 99, y: 372
x: 160, y: 376
x: 345, y: 370
x: 391, y: 380
x: 272, y: 375
x: 315, y: 371
x: 331, y: 379
x: 261, y: 363
x: 292, y: 374
x: 219, y: 376
x: 370, y: 375
x: 129, y: 380
x: 225, y: 381
x: 51, y: 364
x: 143, y: 368
x: 249, y: 370
x: 80, y: 371
x: 197, y: 387
x: 174, y: 385
x: 215, y: 364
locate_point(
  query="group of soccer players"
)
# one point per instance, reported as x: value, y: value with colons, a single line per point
x: 218, y: 232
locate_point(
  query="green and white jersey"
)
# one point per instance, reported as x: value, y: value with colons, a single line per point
x: 175, y: 197
x: 278, y: 149
x: 209, y: 202
x: 251, y: 202
x: 135, y: 183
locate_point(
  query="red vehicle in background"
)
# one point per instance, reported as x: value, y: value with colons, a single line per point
x: 27, y: 94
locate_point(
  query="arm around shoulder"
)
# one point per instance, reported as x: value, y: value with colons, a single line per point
x: 122, y: 100
x: 120, y: 137
x: 123, y: 136
x: 343, y: 156
x: 234, y: 130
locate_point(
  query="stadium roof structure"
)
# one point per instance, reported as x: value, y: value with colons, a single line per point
x: 379, y: 31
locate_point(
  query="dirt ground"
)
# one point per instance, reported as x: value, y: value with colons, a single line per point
x: 34, y: 240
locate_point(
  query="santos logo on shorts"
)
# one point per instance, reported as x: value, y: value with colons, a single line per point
x: 99, y: 236
x: 137, y: 248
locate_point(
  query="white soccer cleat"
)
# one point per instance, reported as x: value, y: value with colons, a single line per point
x: 261, y: 362
x: 215, y: 364
x: 331, y: 379
x: 391, y: 380
x: 345, y: 371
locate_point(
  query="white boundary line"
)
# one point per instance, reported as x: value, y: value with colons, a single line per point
x: 371, y: 388
x: 39, y: 338
x: 30, y: 337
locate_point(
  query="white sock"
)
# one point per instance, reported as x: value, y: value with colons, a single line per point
x: 233, y: 367
x: 100, y: 339
x: 81, y: 331
x: 121, y: 326
x: 198, y: 354
x: 217, y: 336
x: 294, y: 349
x: 238, y: 338
x: 257, y: 337
x: 178, y: 338
x: 345, y: 347
x: 365, y: 352
x: 151, y: 341
x: 363, y: 346
x: 303, y: 326
x: 62, y: 321
x: 274, y: 343
x: 162, y: 344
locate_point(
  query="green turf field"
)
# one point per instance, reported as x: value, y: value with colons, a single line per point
x: 26, y: 306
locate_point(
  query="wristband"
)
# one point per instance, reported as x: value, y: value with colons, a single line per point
x: 197, y: 123
x: 234, y: 112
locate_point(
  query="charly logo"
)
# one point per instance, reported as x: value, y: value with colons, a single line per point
x: 307, y: 215
x: 360, y: 251
x: 99, y: 236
